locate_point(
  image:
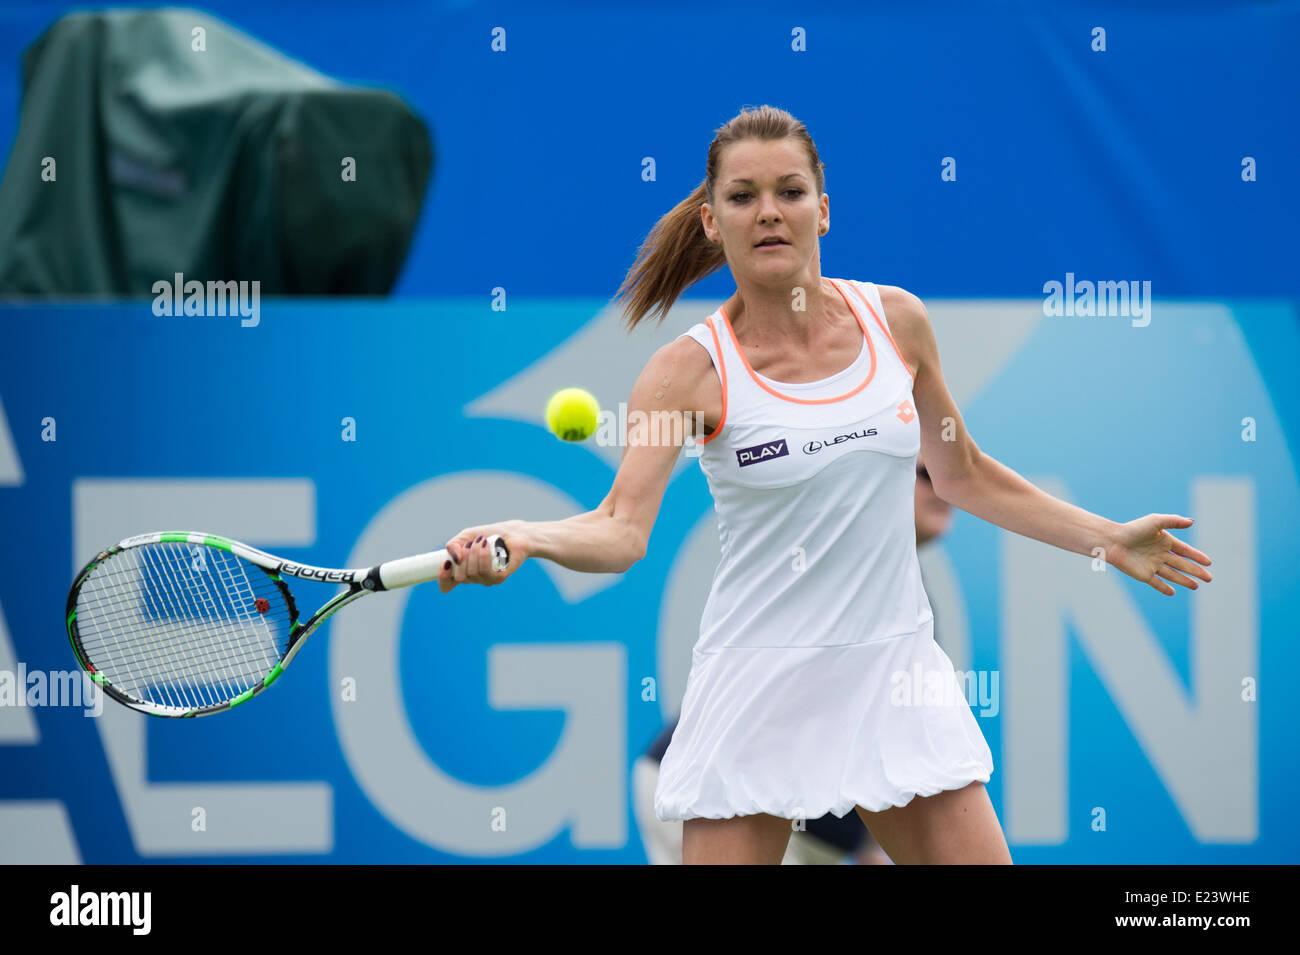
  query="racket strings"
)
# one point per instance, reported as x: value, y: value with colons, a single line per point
x: 160, y: 652
x: 189, y: 668
x: 171, y: 649
x: 178, y: 624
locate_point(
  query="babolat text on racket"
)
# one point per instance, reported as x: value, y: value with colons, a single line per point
x: 189, y: 624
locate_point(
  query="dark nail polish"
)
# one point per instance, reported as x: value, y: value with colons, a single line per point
x: 447, y: 565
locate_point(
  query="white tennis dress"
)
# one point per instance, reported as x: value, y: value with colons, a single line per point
x: 816, y: 683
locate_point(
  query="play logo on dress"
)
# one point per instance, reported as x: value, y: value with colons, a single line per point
x: 761, y: 452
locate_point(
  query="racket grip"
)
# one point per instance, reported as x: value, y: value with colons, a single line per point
x: 499, y: 551
x: 424, y: 567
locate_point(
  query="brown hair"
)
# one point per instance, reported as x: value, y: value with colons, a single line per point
x: 678, y: 253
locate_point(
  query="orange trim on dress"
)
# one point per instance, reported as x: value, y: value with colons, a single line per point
x: 884, y: 328
x: 722, y: 373
x: 810, y: 401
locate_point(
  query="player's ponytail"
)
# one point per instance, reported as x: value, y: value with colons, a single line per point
x: 678, y: 253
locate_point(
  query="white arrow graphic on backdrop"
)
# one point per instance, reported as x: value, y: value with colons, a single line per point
x: 976, y: 340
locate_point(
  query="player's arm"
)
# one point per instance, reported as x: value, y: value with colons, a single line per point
x: 949, y: 451
x: 967, y: 478
x: 962, y: 474
x: 614, y: 536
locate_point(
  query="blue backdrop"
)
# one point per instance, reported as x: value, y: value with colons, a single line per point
x: 200, y: 423
x: 501, y: 724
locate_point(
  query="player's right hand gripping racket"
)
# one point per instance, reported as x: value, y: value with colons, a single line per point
x: 188, y: 624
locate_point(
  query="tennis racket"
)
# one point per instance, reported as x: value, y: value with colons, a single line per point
x: 185, y: 624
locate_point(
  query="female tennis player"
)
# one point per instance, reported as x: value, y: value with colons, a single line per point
x: 813, y: 397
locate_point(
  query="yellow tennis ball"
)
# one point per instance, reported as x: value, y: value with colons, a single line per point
x: 571, y: 414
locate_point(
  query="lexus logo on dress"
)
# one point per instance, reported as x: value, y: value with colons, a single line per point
x: 812, y: 447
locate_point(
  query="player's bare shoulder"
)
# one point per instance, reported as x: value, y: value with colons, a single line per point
x: 679, y: 378
x: 909, y: 323
x: 903, y: 310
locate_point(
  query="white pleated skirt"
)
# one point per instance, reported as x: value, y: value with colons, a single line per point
x: 799, y: 732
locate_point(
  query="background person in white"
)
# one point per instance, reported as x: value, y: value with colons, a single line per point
x: 770, y: 150
x: 827, y: 841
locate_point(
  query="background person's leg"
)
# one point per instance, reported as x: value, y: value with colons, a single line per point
x: 807, y: 849
x: 662, y: 840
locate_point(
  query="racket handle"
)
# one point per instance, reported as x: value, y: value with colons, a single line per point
x: 407, y: 571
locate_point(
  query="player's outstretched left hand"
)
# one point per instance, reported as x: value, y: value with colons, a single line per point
x: 1146, y: 551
